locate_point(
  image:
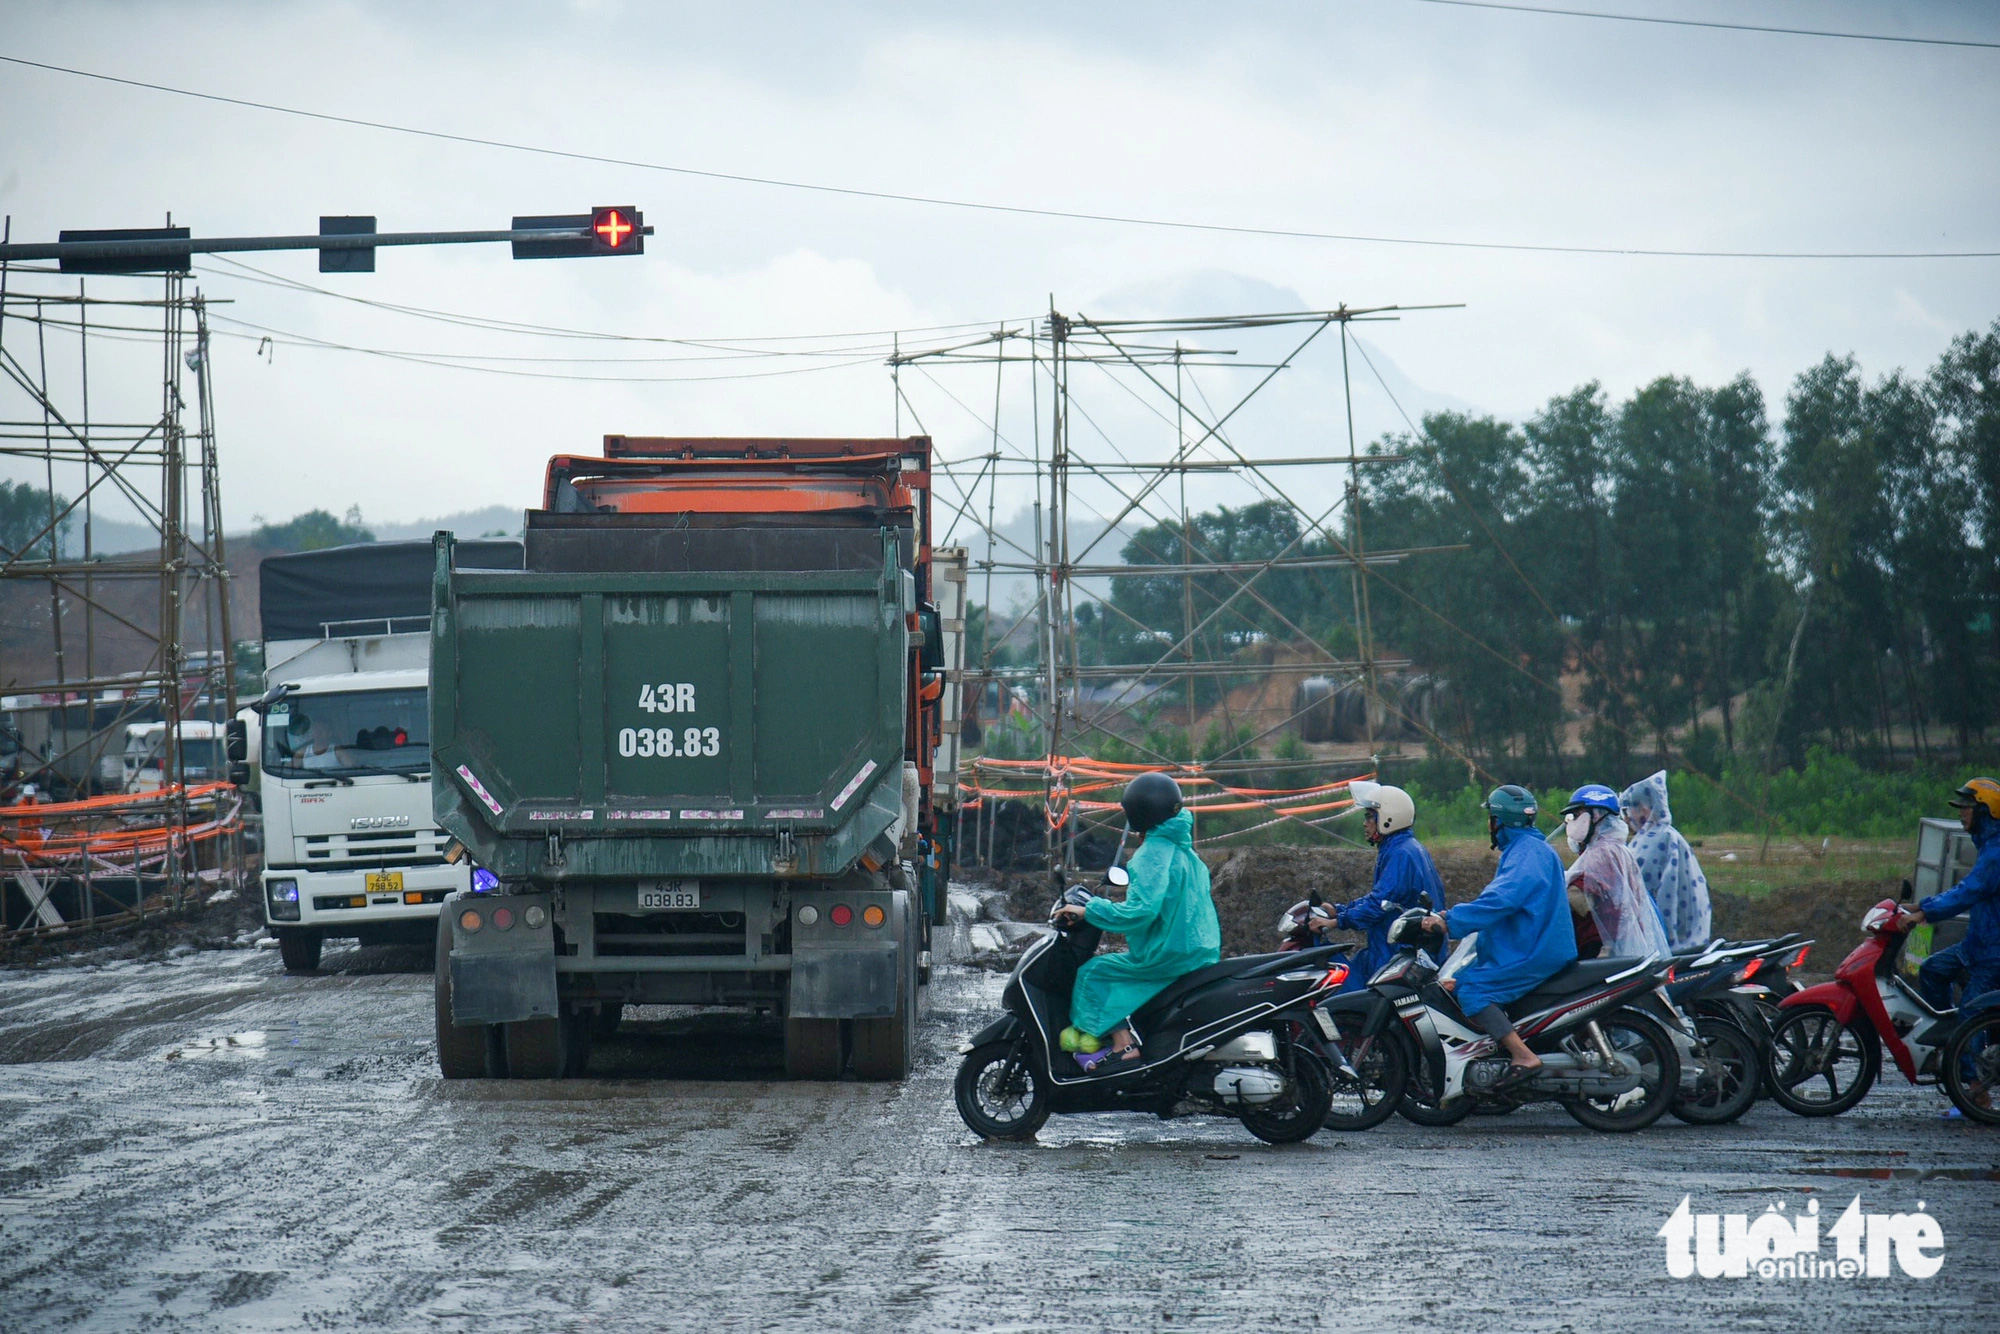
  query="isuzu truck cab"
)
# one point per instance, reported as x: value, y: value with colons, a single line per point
x: 351, y: 848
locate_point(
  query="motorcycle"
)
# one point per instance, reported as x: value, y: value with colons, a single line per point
x: 1826, y: 1049
x: 1722, y: 1064
x: 1235, y: 1039
x: 1610, y: 1064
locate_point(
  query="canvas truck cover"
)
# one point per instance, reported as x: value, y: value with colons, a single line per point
x: 367, y: 588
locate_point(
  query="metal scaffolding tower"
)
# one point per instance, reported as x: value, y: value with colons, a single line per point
x: 1152, y: 361
x: 136, y: 634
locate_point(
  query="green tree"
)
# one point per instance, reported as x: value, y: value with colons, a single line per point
x: 312, y: 531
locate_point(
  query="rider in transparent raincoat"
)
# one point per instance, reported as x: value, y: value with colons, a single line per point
x: 1673, y: 876
x: 1607, y: 876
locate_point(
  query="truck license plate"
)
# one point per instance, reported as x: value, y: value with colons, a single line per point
x: 385, y: 882
x: 670, y: 895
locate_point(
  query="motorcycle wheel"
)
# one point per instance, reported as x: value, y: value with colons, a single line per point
x: 1731, y: 1078
x: 1367, y: 1102
x: 1015, y: 1109
x: 1849, y: 1061
x: 1634, y: 1033
x: 1420, y: 1106
x: 1972, y: 1068
x: 1299, y: 1115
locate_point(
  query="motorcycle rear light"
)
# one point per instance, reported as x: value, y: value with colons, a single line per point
x: 1670, y: 974
x: 470, y: 920
x: 841, y: 914
x: 1335, y: 975
x: 1750, y: 970
x: 873, y: 915
x: 1799, y: 959
x: 503, y: 918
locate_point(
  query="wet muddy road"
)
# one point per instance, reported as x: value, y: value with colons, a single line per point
x: 203, y: 1143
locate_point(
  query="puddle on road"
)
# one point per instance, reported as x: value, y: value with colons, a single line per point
x: 249, y: 1045
x: 1903, y: 1173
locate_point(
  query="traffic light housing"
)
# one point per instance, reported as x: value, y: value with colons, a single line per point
x: 610, y: 229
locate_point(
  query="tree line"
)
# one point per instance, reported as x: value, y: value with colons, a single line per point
x: 1677, y: 575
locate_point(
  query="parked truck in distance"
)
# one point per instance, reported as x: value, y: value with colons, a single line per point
x: 343, y: 736
x: 702, y: 749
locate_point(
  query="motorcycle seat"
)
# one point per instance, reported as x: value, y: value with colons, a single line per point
x: 1241, y: 966
x: 1581, y: 975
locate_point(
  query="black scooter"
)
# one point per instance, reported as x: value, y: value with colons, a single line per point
x: 1235, y: 1039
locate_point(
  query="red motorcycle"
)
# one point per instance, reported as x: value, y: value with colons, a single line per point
x: 1826, y: 1046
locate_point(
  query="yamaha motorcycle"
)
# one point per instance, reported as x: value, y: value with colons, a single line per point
x: 1235, y: 1039
x: 1610, y: 1064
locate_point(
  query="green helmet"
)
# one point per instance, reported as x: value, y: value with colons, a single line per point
x: 1511, y: 806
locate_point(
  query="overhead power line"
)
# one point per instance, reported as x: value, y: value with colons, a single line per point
x: 1016, y: 210
x: 1718, y: 24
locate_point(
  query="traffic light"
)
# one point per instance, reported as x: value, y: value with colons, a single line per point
x: 614, y: 229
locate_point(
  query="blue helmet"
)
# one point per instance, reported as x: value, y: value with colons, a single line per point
x: 1592, y: 797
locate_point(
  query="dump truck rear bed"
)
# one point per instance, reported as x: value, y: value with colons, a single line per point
x: 699, y: 742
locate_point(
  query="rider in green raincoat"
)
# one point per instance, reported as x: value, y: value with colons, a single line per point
x: 1168, y: 919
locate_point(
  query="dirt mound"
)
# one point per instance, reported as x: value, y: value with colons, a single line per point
x: 1828, y: 910
x: 1253, y: 885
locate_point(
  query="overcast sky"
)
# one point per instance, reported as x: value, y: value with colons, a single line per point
x: 1392, y: 118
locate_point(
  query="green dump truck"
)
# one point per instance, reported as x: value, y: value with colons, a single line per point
x: 703, y: 747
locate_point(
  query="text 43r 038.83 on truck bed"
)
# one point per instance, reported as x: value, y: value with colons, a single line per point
x: 666, y: 743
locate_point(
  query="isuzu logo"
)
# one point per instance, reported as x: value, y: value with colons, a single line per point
x: 378, y: 822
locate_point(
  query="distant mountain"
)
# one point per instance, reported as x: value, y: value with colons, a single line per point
x: 493, y: 521
x: 109, y: 537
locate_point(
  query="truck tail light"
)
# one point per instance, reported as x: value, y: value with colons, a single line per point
x: 470, y: 920
x: 873, y: 915
x: 808, y: 915
x: 841, y: 914
x: 503, y: 918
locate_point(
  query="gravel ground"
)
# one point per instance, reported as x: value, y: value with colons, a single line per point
x: 200, y: 1142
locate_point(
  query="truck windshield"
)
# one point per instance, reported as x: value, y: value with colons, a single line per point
x: 366, y: 731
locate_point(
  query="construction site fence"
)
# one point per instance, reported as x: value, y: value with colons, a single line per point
x: 74, y: 866
x: 1073, y: 789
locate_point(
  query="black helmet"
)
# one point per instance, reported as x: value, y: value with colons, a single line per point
x: 1151, y: 800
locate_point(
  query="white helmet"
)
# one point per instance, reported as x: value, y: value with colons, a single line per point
x: 1392, y: 806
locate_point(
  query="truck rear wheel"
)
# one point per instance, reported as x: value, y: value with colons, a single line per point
x: 887, y: 1048
x: 461, y: 1049
x: 299, y: 947
x: 543, y: 1049
x: 812, y: 1048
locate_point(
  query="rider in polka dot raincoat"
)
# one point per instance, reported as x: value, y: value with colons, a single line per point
x: 1673, y: 876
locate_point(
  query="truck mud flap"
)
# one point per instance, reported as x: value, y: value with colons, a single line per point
x: 844, y: 984
x: 501, y: 988
x: 501, y: 974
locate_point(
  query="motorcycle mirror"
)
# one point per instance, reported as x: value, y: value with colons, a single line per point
x: 1909, y: 892
x: 1117, y: 876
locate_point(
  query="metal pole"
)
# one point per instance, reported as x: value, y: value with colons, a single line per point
x: 1363, y: 631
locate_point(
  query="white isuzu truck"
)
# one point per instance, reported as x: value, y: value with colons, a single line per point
x: 351, y: 849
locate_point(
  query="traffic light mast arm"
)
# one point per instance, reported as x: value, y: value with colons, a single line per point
x: 211, y: 245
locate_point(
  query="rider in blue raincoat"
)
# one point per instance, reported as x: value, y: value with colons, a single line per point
x: 1974, y: 961
x: 1168, y: 920
x: 1405, y: 878
x: 1523, y: 921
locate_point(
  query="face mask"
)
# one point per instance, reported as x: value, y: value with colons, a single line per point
x: 1576, y: 828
